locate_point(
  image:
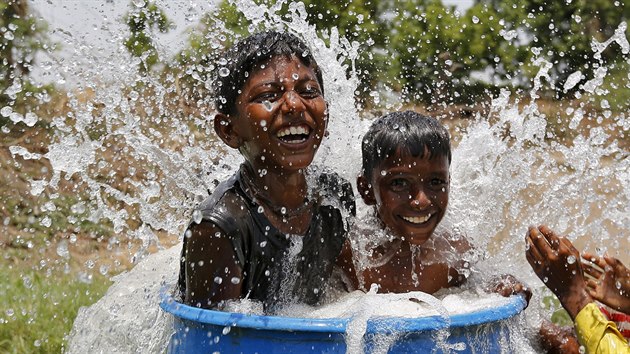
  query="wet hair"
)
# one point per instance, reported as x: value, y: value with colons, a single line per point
x: 243, y: 57
x: 407, y: 131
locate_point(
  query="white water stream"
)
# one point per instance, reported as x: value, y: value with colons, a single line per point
x: 507, y: 172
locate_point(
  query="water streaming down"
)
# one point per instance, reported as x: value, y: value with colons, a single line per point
x: 508, y: 172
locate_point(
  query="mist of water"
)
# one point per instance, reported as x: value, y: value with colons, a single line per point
x: 508, y: 171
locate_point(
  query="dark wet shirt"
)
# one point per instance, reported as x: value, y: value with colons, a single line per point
x: 262, y: 250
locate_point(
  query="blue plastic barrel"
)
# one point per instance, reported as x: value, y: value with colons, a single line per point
x: 207, y: 331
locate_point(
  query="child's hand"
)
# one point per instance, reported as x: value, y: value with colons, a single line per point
x: 612, y: 286
x: 507, y: 285
x: 557, y: 263
x: 556, y: 339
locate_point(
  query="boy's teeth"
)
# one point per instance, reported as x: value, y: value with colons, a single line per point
x: 299, y: 130
x: 417, y: 219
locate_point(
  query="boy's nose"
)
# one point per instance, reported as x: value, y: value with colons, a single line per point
x: 420, y: 200
x: 292, y: 102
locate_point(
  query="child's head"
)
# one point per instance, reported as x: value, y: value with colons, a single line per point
x: 405, y: 174
x: 269, y: 95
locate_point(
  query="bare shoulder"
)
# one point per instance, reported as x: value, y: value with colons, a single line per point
x: 452, y: 242
x: 205, y: 234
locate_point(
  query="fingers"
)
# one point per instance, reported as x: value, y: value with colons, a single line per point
x: 545, y: 240
x: 616, y: 265
x: 592, y: 288
x: 599, y: 261
x: 566, y: 243
x: 538, y: 242
x: 592, y: 271
x: 531, y: 251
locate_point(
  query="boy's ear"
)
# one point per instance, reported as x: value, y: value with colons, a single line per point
x: 225, y: 130
x: 365, y: 190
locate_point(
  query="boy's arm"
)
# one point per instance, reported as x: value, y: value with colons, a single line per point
x: 345, y: 263
x: 212, y: 270
x: 505, y: 285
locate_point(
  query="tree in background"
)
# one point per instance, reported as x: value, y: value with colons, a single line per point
x: 562, y: 33
x: 431, y: 53
x: 142, y: 20
x: 21, y: 36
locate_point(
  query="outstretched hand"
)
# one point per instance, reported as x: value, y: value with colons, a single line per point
x: 611, y: 281
x: 557, y: 263
x: 507, y: 285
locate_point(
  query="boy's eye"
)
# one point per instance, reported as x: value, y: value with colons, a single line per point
x: 310, y: 91
x: 438, y: 182
x: 398, y: 184
x: 266, y: 96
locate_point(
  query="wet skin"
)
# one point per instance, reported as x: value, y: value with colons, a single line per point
x: 410, y: 194
x: 610, y: 281
x: 280, y: 120
x: 557, y: 263
x: 282, y: 94
x: 411, y: 197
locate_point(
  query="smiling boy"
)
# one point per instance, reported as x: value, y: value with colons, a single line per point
x: 269, y: 233
x: 405, y: 176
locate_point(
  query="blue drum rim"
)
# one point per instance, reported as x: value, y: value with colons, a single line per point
x: 512, y: 307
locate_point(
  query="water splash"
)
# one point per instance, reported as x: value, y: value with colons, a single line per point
x: 511, y: 166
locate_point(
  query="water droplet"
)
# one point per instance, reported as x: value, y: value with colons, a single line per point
x: 383, y: 173
x: 9, y: 36
x: 267, y: 272
x: 133, y: 95
x: 218, y: 280
x: 475, y: 19
x: 268, y: 106
x: 283, y: 210
x: 37, y: 343
x: 78, y: 208
x: 571, y: 259
x: 46, y: 221
x: 197, y: 216
x: 30, y: 119
x: 295, y: 76
x: 545, y: 280
x: 226, y: 330
x: 10, y: 312
x: 139, y: 3
x: 90, y: 263
x: 261, y: 209
x: 235, y: 280
x: 6, y: 111
x: 263, y: 243
x: 104, y: 269
x: 62, y: 249
x: 618, y: 285
x: 263, y: 123
x: 223, y: 72
x: 28, y: 283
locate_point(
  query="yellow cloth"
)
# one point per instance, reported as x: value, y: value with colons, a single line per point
x: 597, y: 334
